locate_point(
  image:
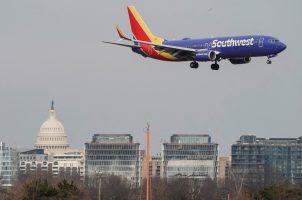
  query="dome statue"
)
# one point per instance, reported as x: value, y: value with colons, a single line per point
x: 52, y: 137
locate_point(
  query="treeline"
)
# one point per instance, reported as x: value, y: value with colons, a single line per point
x: 117, y: 188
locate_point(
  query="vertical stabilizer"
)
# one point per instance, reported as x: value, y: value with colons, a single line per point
x: 139, y: 28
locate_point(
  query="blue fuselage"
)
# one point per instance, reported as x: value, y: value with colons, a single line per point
x: 234, y: 47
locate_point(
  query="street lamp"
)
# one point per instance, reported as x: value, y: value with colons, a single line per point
x: 99, y: 174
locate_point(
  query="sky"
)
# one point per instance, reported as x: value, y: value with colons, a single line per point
x: 52, y: 50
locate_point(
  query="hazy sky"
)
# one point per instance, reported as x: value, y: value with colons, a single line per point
x: 51, y: 49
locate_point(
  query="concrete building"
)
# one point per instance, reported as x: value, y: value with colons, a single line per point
x: 114, y: 154
x: 37, y: 162
x: 190, y: 155
x: 266, y: 161
x: 33, y: 161
x: 52, y: 137
x: 224, y: 166
x: 8, y: 165
x: 155, y: 166
x: 70, y: 163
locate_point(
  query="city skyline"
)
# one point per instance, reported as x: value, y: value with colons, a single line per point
x: 52, y: 110
x: 52, y: 50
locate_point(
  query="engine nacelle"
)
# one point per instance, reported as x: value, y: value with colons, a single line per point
x: 206, y: 56
x: 237, y: 61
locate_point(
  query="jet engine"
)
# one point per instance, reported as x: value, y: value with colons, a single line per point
x: 237, y: 61
x: 206, y: 56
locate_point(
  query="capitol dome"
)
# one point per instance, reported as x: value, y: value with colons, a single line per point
x: 52, y: 137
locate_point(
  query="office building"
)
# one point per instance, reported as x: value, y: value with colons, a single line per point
x: 155, y: 167
x: 224, y: 166
x: 190, y: 155
x: 267, y: 161
x: 113, y: 154
x: 8, y: 165
x: 37, y: 162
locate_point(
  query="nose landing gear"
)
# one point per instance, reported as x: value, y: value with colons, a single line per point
x: 268, y: 61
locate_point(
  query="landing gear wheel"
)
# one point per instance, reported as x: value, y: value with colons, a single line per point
x: 268, y: 61
x: 215, y: 66
x: 194, y: 65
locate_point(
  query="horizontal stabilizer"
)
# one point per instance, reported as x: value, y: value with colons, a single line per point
x: 121, y: 44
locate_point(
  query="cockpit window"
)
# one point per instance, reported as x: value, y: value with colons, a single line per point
x: 273, y: 40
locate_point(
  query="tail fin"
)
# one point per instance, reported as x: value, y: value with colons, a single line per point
x: 120, y: 33
x: 139, y: 28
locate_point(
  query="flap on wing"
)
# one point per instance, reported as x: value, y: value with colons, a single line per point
x: 181, y: 54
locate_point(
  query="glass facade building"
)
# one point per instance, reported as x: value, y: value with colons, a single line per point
x: 192, y: 156
x: 8, y: 165
x: 190, y: 139
x: 266, y: 161
x: 114, y: 154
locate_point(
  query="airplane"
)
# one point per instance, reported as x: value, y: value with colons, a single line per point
x: 236, y: 49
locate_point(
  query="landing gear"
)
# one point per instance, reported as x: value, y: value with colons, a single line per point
x: 194, y: 65
x: 268, y: 61
x: 215, y: 66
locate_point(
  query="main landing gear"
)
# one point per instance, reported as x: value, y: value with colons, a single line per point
x: 194, y: 65
x: 215, y: 66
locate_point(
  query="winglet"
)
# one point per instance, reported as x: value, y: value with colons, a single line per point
x: 120, y: 33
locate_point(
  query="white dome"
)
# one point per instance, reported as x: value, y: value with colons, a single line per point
x: 52, y: 125
x: 52, y: 136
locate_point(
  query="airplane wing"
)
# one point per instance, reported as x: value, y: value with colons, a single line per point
x: 178, y: 52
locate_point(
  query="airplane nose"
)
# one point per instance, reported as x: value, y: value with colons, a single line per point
x: 282, y: 46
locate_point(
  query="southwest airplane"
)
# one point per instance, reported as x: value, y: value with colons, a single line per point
x: 237, y: 49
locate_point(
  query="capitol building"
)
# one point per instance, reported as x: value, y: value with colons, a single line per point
x: 52, y: 153
x: 52, y: 137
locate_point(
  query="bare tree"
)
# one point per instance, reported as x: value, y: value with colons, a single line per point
x: 34, y: 186
x: 159, y: 188
x: 112, y: 187
x: 3, y: 194
x: 236, y: 185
